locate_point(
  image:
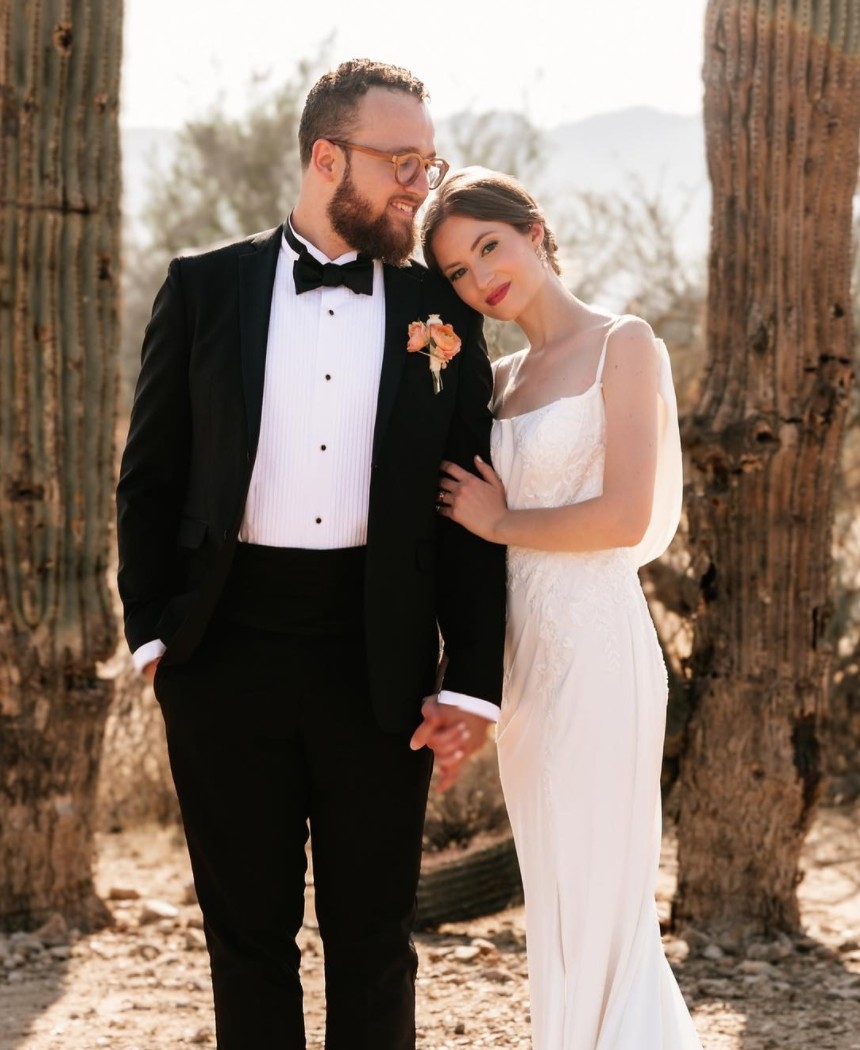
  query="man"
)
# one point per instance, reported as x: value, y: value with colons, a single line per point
x: 285, y: 575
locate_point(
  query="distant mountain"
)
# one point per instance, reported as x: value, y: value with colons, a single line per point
x: 608, y: 153
x: 663, y: 152
x: 597, y: 152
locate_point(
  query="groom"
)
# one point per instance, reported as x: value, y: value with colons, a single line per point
x: 286, y: 578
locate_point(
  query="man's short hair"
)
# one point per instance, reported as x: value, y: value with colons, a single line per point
x: 329, y: 109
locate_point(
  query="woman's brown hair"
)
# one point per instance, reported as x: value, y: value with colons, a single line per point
x: 489, y: 196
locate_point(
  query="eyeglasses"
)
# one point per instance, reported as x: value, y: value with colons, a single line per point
x: 407, y: 166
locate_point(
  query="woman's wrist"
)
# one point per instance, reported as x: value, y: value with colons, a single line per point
x: 502, y: 529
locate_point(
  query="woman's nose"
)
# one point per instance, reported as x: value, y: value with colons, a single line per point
x: 483, y: 275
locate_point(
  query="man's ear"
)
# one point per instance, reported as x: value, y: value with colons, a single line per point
x: 326, y: 160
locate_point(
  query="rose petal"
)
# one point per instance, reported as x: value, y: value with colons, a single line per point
x: 419, y: 336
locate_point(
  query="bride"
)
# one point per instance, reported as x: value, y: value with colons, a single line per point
x: 585, y: 487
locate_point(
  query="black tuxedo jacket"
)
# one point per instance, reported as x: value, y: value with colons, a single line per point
x: 190, y: 451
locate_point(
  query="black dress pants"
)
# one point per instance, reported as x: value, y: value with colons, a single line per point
x: 271, y: 733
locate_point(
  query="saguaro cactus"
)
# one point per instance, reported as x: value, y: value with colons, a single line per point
x: 59, y: 260
x: 782, y: 120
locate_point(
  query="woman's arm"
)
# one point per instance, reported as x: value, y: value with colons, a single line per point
x: 620, y: 515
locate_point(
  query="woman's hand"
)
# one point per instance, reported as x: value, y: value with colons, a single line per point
x: 476, y: 503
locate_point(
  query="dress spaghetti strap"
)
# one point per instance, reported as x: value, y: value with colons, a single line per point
x: 602, y: 361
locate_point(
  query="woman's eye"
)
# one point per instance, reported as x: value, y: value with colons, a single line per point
x: 456, y: 274
x: 488, y: 247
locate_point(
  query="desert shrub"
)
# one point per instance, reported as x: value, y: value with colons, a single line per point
x: 473, y: 807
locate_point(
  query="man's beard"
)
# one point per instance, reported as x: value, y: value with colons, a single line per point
x: 380, y: 238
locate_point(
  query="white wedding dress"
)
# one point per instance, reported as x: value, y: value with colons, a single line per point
x: 580, y: 741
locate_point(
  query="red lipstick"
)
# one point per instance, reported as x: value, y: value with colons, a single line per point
x: 495, y: 297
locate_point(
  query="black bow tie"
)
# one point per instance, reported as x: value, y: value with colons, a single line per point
x: 309, y: 272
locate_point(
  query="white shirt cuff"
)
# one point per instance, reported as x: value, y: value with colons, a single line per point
x: 148, y: 652
x: 471, y: 704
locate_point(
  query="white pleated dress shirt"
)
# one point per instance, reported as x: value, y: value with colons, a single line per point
x: 310, y: 485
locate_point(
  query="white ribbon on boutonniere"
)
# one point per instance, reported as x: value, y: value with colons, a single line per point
x: 438, y: 341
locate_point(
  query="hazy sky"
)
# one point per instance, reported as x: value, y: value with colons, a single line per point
x: 180, y: 54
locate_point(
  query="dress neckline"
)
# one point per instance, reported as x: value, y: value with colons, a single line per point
x: 570, y: 397
x: 596, y: 385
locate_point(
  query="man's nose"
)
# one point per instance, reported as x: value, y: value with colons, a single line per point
x: 421, y: 185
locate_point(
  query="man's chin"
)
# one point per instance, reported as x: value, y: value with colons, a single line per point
x: 390, y: 242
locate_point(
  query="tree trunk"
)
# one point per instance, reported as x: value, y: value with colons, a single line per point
x: 59, y: 270
x: 782, y: 120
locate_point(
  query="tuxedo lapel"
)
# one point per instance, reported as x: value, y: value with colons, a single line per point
x: 402, y: 302
x: 256, y: 284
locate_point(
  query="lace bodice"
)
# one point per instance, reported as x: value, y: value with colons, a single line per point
x: 554, y: 455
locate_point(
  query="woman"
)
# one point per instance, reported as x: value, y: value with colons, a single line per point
x: 587, y: 487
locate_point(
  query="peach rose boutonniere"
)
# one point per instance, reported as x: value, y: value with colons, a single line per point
x: 438, y: 341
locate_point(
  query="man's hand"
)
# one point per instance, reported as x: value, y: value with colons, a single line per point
x: 148, y: 671
x: 451, y: 734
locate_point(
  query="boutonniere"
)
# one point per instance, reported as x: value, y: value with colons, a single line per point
x: 438, y: 341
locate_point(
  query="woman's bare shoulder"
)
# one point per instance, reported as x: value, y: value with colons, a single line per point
x: 628, y: 329
x: 632, y: 352
x: 630, y: 339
